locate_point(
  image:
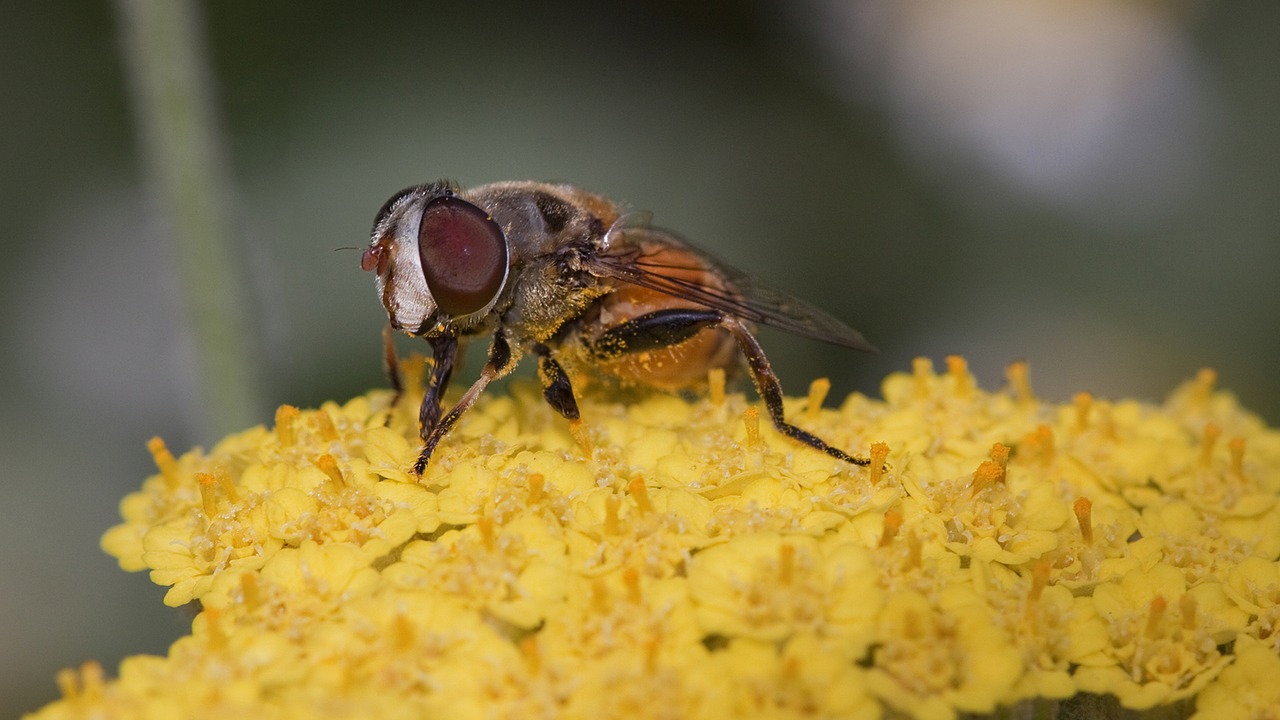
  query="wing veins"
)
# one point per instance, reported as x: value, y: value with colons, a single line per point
x: 746, y: 298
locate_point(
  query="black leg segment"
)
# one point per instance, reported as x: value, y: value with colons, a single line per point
x: 770, y: 390
x: 653, y: 331
x: 500, y: 362
x: 555, y: 384
x: 444, y: 352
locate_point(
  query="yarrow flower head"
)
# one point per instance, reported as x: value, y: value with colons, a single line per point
x: 678, y: 559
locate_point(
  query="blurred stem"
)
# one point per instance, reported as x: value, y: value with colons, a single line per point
x: 181, y: 144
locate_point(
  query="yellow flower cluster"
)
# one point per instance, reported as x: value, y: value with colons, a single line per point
x: 676, y: 559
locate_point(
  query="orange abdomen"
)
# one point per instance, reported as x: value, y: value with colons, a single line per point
x: 682, y: 365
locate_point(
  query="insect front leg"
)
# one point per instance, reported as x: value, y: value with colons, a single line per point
x: 444, y: 355
x: 501, y: 361
x: 556, y: 387
x: 391, y: 363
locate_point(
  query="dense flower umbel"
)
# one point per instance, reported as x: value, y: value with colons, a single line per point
x: 681, y: 560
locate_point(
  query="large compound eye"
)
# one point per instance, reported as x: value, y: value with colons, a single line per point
x: 464, y: 255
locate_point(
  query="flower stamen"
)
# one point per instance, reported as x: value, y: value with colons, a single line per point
x: 636, y: 488
x: 537, y: 488
x: 208, y: 496
x: 1019, y: 376
x: 1211, y: 434
x: 578, y: 429
x: 329, y: 467
x: 1236, y: 446
x: 285, y: 417
x: 1202, y: 390
x: 958, y: 369
x: 164, y: 461
x: 879, y: 453
x: 751, y: 419
x: 1083, y: 508
x: 1083, y: 402
x: 892, y: 523
x: 922, y: 373
x: 818, y: 390
x: 1157, y: 609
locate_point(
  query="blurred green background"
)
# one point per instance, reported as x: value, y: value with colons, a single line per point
x: 1089, y: 185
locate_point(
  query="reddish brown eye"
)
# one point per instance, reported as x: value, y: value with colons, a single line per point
x: 464, y: 255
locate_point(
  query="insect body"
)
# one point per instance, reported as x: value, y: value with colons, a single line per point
x: 564, y: 274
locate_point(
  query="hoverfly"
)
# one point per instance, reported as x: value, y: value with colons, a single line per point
x: 567, y: 275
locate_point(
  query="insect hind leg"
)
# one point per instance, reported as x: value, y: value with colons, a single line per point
x: 665, y: 328
x: 770, y: 389
x: 652, y: 331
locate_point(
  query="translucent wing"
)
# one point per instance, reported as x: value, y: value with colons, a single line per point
x: 631, y: 255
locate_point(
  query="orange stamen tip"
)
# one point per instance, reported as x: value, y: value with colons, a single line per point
x: 1211, y: 434
x: 68, y: 683
x: 529, y: 649
x: 578, y: 429
x: 1044, y: 443
x: 328, y: 430
x: 1083, y: 508
x: 250, y: 592
x: 213, y: 626
x: 404, y: 634
x: 631, y: 579
x: 915, y: 549
x: 1204, y: 382
x: 1019, y: 376
x: 636, y: 488
x: 599, y: 596
x: 285, y: 416
x: 652, y: 648
x: 958, y: 369
x: 786, y: 563
x: 988, y: 474
x: 164, y: 460
x: 1083, y: 402
x: 892, y: 523
x: 1187, y: 604
x: 751, y: 419
x: 715, y: 386
x: 1039, y: 580
x: 611, y: 505
x: 226, y: 483
x: 92, y: 679
x: 484, y: 524
x: 922, y: 372
x: 818, y: 390
x: 1236, y: 446
x: 208, y: 493
x: 879, y: 453
x: 329, y: 467
x: 1000, y: 454
x: 1158, y: 606
x: 537, y: 487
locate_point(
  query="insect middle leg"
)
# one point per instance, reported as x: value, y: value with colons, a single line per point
x: 665, y: 328
x: 556, y: 387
